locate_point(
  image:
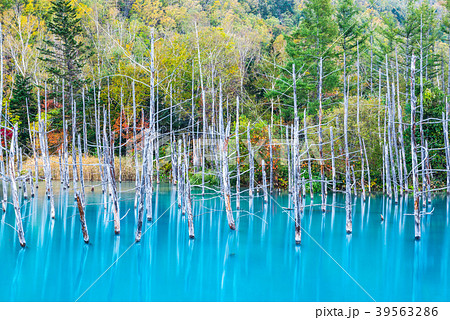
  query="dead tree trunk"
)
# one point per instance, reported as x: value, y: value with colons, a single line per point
x: 348, y: 195
x: 47, y: 167
x: 187, y: 188
x: 363, y: 188
x: 251, y: 163
x: 225, y: 176
x: 179, y: 173
x: 321, y: 161
x: 141, y: 196
x: 109, y: 168
x: 415, y: 175
x: 204, y: 110
x: 445, y: 116
x: 84, y: 229
x: 390, y: 141
x: 333, y: 165
x: 264, y: 181
x: 238, y: 161
x: 15, y: 195
x: 308, y: 155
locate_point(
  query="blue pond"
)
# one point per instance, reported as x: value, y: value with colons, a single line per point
x: 259, y: 262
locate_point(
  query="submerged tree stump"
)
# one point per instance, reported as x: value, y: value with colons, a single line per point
x: 82, y: 218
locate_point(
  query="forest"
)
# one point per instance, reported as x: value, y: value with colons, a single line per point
x: 323, y: 95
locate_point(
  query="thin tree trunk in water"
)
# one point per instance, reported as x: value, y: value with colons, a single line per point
x: 204, y: 110
x: 308, y: 155
x: 428, y: 172
x: 120, y: 135
x: 74, y: 130
x: 80, y: 158
x: 297, y: 196
x: 333, y: 166
x: 321, y: 161
x: 5, y: 191
x: 387, y: 171
x: 415, y: 175
x: 238, y: 161
x: 107, y: 153
x: 64, y: 162
x: 271, y: 150
x: 251, y: 186
x: 348, y: 206
x: 47, y: 167
x: 61, y: 178
x: 82, y: 219
x: 398, y: 159
x: 264, y: 181
x: 354, y: 181
x: 30, y: 177
x: 141, y: 194
x: 226, y: 178
x: 390, y: 131
x: 15, y: 196
x: 368, y: 168
x: 295, y: 170
x: 422, y: 137
x: 358, y: 124
x: 445, y: 116
x: 135, y: 143
x: 187, y: 187
x: 179, y: 178
x: 400, y: 130
x: 288, y: 152
x: 172, y: 143
x: 149, y: 173
x: 85, y: 125
x: 156, y: 125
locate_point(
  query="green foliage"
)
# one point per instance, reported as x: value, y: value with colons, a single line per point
x: 64, y: 55
x: 21, y: 100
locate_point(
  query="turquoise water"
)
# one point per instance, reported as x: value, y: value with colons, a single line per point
x: 258, y: 262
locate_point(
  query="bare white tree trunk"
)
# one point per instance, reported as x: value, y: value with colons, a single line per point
x: 445, y: 118
x: 348, y: 205
x: 264, y: 181
x: 333, y: 165
x: 251, y: 163
x: 415, y: 175
x: 47, y: 167
x: 308, y: 155
x: 187, y: 193
x: 321, y: 161
x: 15, y: 196
x: 204, y: 110
x: 109, y: 168
x: 225, y: 176
x: 238, y: 161
x: 358, y: 125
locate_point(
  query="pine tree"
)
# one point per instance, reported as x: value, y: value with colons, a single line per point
x: 389, y: 35
x: 350, y: 31
x: 311, y: 41
x: 20, y: 100
x: 66, y: 52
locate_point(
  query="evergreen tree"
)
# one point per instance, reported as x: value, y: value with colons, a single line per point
x: 389, y: 35
x: 21, y: 98
x: 311, y: 41
x: 65, y: 52
x: 350, y: 31
x: 349, y: 26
